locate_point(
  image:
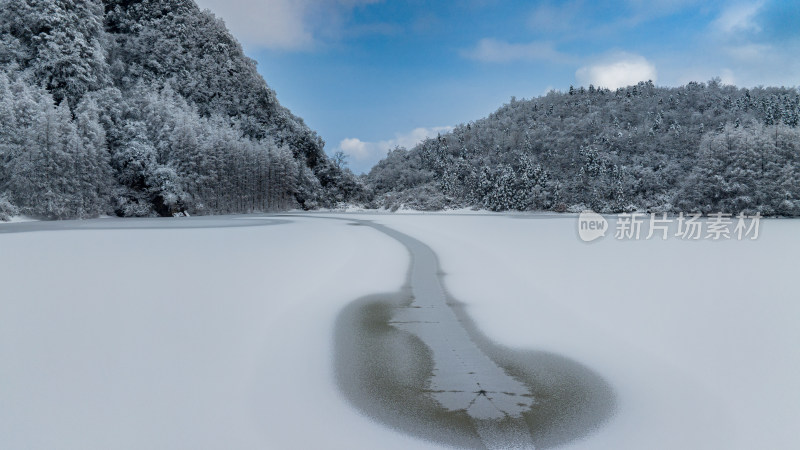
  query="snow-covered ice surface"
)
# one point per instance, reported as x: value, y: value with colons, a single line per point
x: 202, y: 338
x: 699, y: 339
x: 206, y: 333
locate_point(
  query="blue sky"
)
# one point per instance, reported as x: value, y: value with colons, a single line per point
x: 368, y: 75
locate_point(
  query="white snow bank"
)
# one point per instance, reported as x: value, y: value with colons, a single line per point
x: 19, y: 219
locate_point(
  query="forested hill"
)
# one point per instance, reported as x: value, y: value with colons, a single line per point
x: 701, y: 147
x: 145, y: 107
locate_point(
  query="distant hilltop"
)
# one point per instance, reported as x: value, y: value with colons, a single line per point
x: 702, y: 147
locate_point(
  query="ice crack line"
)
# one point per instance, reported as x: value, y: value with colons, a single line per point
x: 464, y: 377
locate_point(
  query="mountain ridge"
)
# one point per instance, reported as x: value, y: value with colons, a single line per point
x: 188, y: 123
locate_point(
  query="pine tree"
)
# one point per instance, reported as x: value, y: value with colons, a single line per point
x: 95, y: 175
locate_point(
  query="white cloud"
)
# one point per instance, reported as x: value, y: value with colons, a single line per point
x: 618, y: 70
x: 496, y: 51
x: 364, y: 153
x: 739, y: 18
x: 749, y: 53
x: 743, y: 67
x: 728, y: 77
x: 546, y: 17
x: 281, y: 24
x: 416, y: 136
x: 732, y: 48
x: 356, y: 148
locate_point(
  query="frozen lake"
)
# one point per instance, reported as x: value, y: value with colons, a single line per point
x: 247, y: 332
x: 416, y: 361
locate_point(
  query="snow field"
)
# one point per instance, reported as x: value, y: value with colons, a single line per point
x: 699, y: 339
x: 221, y: 337
x: 202, y: 338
